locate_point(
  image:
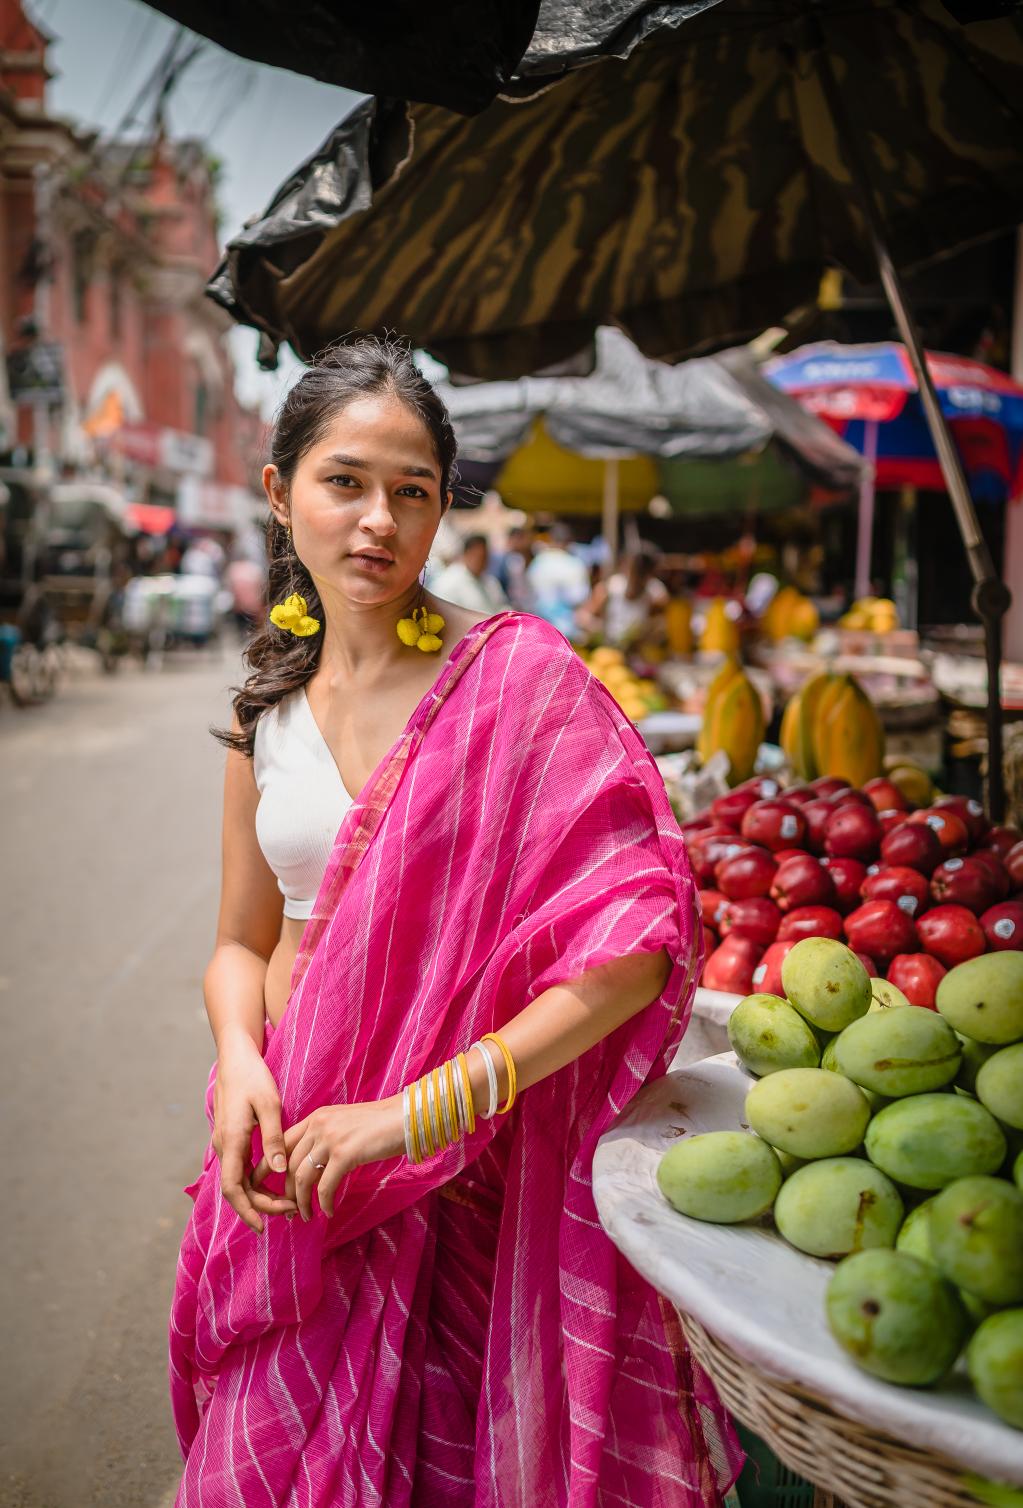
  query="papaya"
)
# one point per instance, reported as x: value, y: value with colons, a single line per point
x: 733, y: 721
x: 720, y: 633
x: 848, y: 739
x: 797, y: 738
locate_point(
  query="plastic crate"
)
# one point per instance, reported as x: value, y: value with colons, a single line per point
x: 764, y: 1482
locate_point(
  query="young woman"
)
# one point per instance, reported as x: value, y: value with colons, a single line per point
x: 489, y: 942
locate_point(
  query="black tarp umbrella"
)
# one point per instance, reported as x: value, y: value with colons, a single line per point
x: 691, y: 192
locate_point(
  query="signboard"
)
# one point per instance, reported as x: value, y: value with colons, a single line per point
x: 158, y: 447
x: 36, y: 373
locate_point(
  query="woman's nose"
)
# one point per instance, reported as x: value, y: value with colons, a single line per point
x: 377, y: 514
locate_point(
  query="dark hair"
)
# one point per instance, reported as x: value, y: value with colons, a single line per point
x: 474, y: 539
x: 347, y: 370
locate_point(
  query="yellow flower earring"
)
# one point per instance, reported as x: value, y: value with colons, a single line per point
x: 421, y: 630
x: 292, y: 614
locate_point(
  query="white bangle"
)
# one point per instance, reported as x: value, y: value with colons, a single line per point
x: 419, y: 1091
x: 445, y: 1111
x: 491, y: 1109
x: 431, y: 1110
x: 406, y: 1106
x: 463, y: 1110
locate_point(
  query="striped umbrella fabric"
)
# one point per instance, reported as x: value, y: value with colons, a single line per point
x: 690, y: 192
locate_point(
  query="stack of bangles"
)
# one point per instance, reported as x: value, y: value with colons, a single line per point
x: 438, y: 1108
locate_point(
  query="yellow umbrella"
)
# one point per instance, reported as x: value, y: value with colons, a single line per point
x: 541, y: 477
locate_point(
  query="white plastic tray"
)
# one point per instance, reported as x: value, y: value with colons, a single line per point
x: 754, y: 1292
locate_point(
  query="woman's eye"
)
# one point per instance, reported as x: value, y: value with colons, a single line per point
x: 344, y: 480
x: 411, y: 490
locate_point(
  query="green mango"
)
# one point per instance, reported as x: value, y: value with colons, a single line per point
x: 983, y: 998
x: 826, y: 983
x: 976, y: 1230
x: 895, y: 1316
x: 836, y: 1206
x: 915, y: 1236
x: 975, y: 1055
x: 808, y: 1112
x: 899, y: 1052
x: 994, y: 1360
x: 721, y: 1176
x: 999, y: 1085
x: 885, y: 996
x: 766, y: 1035
x: 929, y: 1140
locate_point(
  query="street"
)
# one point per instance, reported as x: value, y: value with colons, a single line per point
x: 110, y: 808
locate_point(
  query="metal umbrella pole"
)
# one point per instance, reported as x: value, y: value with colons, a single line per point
x: 991, y: 597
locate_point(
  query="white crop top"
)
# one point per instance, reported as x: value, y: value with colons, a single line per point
x: 302, y: 801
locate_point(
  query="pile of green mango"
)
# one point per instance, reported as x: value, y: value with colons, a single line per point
x: 888, y: 1137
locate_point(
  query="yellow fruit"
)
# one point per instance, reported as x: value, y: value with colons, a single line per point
x: 804, y: 620
x: 799, y: 723
x: 734, y: 722
x: 606, y: 654
x: 679, y: 624
x: 728, y: 672
x: 849, y: 738
x: 914, y: 783
x: 720, y: 634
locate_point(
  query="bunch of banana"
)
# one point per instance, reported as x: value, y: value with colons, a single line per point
x: 876, y: 615
x: 790, y: 615
x: 831, y: 727
x: 720, y: 632
x: 733, y: 720
x: 636, y: 695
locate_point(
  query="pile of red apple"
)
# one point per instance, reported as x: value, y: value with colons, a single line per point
x: 912, y: 891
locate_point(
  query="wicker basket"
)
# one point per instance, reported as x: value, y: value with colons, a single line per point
x: 862, y: 1467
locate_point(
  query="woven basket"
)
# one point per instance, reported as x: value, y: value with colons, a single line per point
x: 862, y: 1467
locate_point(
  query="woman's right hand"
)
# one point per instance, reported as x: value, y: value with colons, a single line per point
x: 244, y: 1095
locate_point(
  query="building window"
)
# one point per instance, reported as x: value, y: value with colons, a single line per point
x: 202, y: 407
x: 82, y: 256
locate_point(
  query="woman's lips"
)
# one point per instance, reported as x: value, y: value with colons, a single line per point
x: 372, y: 562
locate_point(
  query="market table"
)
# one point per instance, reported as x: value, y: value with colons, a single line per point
x: 753, y: 1310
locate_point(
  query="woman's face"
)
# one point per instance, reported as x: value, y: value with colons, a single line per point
x: 370, y: 482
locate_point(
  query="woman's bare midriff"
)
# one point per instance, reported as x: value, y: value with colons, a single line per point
x: 278, y: 970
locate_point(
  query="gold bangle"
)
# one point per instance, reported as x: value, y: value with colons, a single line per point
x: 425, y: 1123
x: 510, y: 1065
x: 463, y: 1069
x: 439, y: 1126
x: 417, y: 1151
x: 449, y: 1087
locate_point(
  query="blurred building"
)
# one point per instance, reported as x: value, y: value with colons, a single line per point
x: 116, y: 364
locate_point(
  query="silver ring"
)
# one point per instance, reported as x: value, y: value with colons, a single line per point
x: 315, y: 1164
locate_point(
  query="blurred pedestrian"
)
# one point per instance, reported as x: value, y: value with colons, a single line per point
x: 628, y: 605
x: 512, y: 566
x: 560, y: 581
x: 467, y: 582
x: 245, y: 579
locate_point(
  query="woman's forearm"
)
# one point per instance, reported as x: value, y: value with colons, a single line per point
x: 234, y: 990
x: 568, y: 1019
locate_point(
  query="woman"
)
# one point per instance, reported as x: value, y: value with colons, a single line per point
x: 469, y: 839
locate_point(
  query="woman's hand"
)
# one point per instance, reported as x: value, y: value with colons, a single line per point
x: 342, y: 1137
x: 244, y: 1094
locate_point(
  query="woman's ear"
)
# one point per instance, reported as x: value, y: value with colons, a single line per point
x: 274, y: 489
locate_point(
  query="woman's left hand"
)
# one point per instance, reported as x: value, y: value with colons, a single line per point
x: 342, y: 1137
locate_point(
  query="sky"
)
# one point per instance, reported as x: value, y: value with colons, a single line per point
x: 260, y: 121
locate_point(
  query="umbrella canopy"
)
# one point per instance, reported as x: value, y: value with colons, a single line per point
x: 869, y: 395
x: 690, y: 193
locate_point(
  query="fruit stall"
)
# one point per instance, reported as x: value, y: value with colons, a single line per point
x: 835, y: 1208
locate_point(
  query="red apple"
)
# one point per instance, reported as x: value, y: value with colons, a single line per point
x: 774, y: 824
x: 890, y: 819
x: 1003, y: 927
x: 1001, y: 839
x: 951, y: 934
x: 885, y: 795
x: 745, y: 874
x: 912, y: 845
x: 757, y: 918
x: 882, y: 929
x: 698, y: 824
x: 784, y: 854
x: 852, y: 797
x: 917, y: 975
x: 767, y: 974
x: 847, y: 875
x: 714, y: 907
x: 906, y: 887
x: 810, y: 921
x: 968, y: 811
x: 829, y: 785
x: 998, y: 871
x: 730, y: 966
x: 964, y: 883
x: 710, y: 941
x: 707, y: 850
x: 869, y: 964
x: 730, y: 808
x: 951, y: 831
x: 800, y: 794
x: 817, y: 815
x: 1013, y: 863
x: 802, y: 881
x: 853, y: 832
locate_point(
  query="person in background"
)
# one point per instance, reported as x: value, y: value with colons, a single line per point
x: 467, y: 582
x: 512, y: 565
x: 628, y: 605
x: 560, y: 582
x: 245, y: 579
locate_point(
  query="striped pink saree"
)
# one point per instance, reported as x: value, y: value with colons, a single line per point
x: 461, y: 1332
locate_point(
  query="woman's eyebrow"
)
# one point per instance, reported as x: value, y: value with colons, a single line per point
x: 354, y: 461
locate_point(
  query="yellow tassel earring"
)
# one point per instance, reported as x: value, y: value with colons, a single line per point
x: 422, y: 630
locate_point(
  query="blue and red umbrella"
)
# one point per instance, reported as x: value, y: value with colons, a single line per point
x: 868, y: 394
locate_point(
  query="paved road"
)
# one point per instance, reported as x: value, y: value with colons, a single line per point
x: 109, y: 882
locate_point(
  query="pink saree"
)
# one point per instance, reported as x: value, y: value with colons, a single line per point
x: 461, y: 1332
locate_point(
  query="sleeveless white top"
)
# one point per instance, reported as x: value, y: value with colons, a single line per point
x: 302, y: 801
